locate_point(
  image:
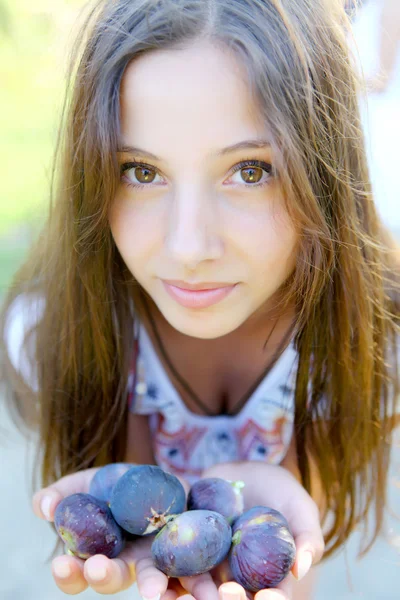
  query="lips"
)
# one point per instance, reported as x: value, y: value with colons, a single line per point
x: 198, y: 298
x: 197, y: 286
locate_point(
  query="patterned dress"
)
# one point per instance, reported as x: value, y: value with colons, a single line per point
x: 185, y: 443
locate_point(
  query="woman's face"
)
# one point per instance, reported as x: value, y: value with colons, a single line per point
x: 194, y: 219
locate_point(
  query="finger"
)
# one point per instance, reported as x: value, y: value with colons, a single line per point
x: 107, y: 576
x: 150, y: 581
x: 304, y: 560
x: 309, y: 551
x: 202, y: 587
x: 304, y: 522
x: 134, y: 563
x: 175, y: 587
x: 68, y: 574
x: 231, y: 591
x: 272, y: 594
x: 45, y: 501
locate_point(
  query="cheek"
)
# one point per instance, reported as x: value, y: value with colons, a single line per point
x: 134, y: 230
x: 271, y: 242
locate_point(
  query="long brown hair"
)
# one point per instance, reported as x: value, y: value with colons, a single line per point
x: 301, y: 74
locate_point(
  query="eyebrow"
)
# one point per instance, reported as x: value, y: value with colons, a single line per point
x: 223, y: 152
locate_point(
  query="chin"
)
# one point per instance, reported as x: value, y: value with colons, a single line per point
x: 203, y: 325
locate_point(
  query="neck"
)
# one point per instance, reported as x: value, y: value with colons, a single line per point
x: 251, y: 336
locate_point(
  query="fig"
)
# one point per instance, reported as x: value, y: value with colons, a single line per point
x: 259, y: 514
x: 87, y: 527
x: 191, y: 543
x: 263, y: 549
x: 105, y: 478
x: 220, y: 495
x: 145, y: 498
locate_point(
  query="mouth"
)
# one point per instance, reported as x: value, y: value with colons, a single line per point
x: 200, y: 298
x: 183, y: 285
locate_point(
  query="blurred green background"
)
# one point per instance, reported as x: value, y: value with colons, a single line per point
x: 35, y: 39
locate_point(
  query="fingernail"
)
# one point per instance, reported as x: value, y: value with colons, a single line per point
x: 97, y: 573
x: 154, y: 597
x: 304, y: 564
x: 62, y: 570
x: 45, y: 506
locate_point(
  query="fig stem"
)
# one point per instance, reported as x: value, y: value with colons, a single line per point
x: 238, y: 485
x: 236, y: 537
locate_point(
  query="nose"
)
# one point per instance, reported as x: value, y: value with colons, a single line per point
x: 193, y: 233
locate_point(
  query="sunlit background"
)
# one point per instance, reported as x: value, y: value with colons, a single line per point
x: 34, y: 41
x: 35, y: 37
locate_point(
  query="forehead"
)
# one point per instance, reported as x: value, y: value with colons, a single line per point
x: 198, y: 94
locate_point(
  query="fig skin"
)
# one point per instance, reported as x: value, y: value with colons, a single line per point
x: 145, y: 498
x: 87, y: 527
x: 220, y: 495
x: 104, y: 480
x: 192, y: 543
x: 263, y: 549
x: 259, y: 514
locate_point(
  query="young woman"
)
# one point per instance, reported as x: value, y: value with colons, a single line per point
x: 212, y: 290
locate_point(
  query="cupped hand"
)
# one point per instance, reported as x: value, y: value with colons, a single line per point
x: 110, y: 576
x: 274, y: 487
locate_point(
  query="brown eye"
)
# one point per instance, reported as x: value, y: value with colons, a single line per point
x: 144, y: 174
x: 252, y: 174
x: 139, y: 175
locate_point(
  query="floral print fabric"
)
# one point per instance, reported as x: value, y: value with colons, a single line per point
x: 185, y: 443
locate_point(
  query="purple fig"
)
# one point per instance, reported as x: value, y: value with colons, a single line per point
x: 213, y: 493
x: 191, y: 543
x: 263, y: 549
x: 105, y: 478
x: 257, y: 515
x: 87, y: 527
x: 145, y: 498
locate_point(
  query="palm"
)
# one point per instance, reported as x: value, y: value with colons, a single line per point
x: 73, y: 575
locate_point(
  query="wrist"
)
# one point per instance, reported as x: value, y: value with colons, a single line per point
x: 256, y: 475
